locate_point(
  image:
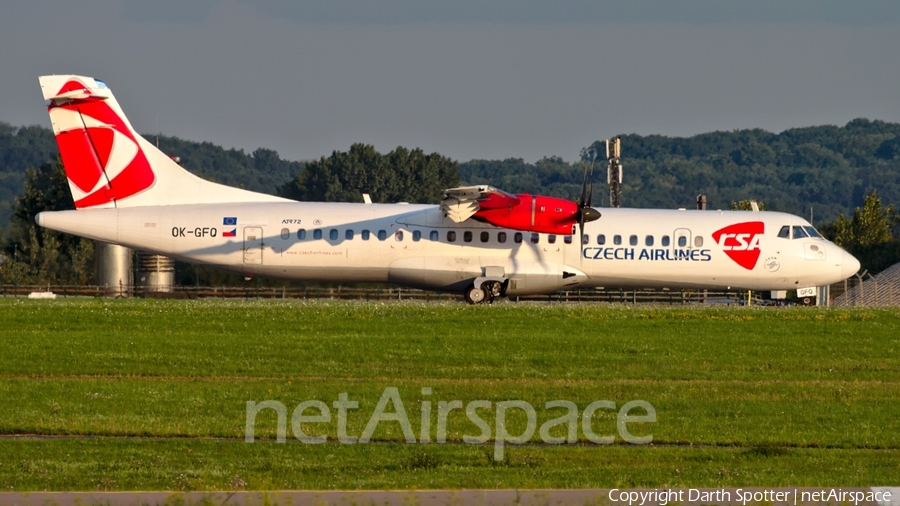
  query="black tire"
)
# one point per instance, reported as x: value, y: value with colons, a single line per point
x: 475, y: 295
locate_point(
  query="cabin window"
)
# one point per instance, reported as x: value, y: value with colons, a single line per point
x: 698, y: 241
x: 535, y: 238
x: 682, y: 241
x: 382, y: 235
x: 601, y: 239
x: 648, y: 241
x: 333, y: 234
x: 451, y: 236
x: 785, y: 232
x: 568, y: 239
x: 285, y: 234
x: 467, y: 236
x: 665, y: 240
x: 813, y: 232
x: 301, y: 234
x: 799, y: 233
x: 551, y: 239
x: 417, y: 236
x: 365, y: 235
x: 433, y: 235
x: 485, y: 236
x: 501, y: 237
x: 632, y: 240
x: 517, y: 238
x: 317, y: 234
x: 398, y: 236
x: 348, y: 234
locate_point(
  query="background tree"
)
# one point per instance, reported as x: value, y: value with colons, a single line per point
x: 23, y: 147
x: 747, y: 205
x: 829, y: 168
x: 548, y: 176
x: 36, y: 255
x: 869, y: 234
x: 401, y: 175
x: 871, y: 225
x: 823, y: 167
x: 20, y: 148
x: 261, y: 171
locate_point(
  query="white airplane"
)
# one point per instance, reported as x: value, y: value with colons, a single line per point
x: 480, y: 241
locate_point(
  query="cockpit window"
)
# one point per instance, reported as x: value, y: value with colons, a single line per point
x: 785, y: 232
x: 812, y: 231
x: 799, y: 233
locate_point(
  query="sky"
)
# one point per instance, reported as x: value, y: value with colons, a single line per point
x: 468, y: 79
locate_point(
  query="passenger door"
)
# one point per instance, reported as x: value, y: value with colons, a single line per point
x: 253, y: 245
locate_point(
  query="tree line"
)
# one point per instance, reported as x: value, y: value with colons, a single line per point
x: 827, y: 169
x: 34, y: 255
x: 34, y: 146
x: 846, y: 176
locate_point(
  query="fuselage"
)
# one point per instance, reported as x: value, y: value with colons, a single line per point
x: 417, y: 246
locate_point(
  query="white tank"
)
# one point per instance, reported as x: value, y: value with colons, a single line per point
x: 157, y: 273
x: 114, y: 269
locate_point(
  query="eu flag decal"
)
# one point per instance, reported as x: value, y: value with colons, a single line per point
x: 229, y: 233
x: 229, y: 221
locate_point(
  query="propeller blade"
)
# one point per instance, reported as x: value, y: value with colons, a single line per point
x: 591, y: 193
x: 585, y: 214
x: 581, y: 230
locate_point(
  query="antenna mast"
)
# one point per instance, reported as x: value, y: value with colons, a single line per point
x: 614, y: 173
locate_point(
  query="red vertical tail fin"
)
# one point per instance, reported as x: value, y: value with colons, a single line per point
x: 109, y: 164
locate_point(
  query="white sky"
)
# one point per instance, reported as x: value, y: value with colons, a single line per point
x: 468, y: 79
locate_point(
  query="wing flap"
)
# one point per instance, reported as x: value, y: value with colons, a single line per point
x: 460, y: 204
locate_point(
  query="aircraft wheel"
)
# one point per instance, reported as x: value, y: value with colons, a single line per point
x: 493, y: 289
x: 475, y: 295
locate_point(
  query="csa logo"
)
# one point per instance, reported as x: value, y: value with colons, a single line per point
x: 101, y: 155
x: 741, y: 242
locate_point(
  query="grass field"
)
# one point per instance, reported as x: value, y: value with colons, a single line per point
x: 139, y: 394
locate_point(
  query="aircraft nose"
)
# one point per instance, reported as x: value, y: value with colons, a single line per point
x: 849, y: 265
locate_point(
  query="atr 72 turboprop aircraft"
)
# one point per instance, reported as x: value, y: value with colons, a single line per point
x: 479, y: 241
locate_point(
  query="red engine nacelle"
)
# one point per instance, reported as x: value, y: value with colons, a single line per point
x: 530, y: 213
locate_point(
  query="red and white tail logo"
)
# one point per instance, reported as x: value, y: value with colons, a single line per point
x: 103, y: 160
x: 109, y: 165
x: 741, y: 242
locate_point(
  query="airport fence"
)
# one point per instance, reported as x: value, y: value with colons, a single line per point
x: 866, y: 290
x: 646, y: 296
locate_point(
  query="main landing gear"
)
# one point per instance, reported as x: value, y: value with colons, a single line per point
x: 475, y: 295
x: 482, y: 291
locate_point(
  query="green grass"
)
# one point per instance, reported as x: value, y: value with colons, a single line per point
x: 151, y: 394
